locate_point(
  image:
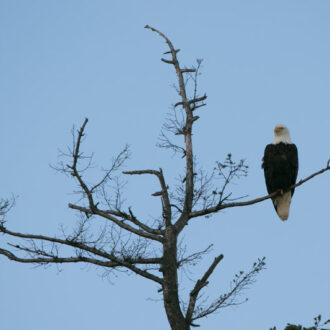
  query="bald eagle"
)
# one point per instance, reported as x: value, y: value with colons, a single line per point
x: 280, y: 164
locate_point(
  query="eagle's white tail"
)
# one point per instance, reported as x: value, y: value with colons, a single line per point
x: 282, y: 205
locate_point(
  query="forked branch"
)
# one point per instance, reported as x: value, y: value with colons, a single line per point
x: 109, y: 259
x: 76, y: 155
x: 119, y: 223
x: 167, y: 213
x: 200, y: 284
x: 240, y: 282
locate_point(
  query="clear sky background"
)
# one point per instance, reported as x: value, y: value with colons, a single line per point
x: 265, y: 62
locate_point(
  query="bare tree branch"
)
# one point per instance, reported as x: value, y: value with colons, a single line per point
x: 189, y: 192
x: 188, y: 70
x: 117, y: 163
x: 240, y: 283
x: 132, y: 218
x: 5, y: 206
x: 55, y: 259
x: 200, y: 284
x: 79, y: 245
x: 75, y: 173
x: 193, y: 258
x: 167, y: 213
x: 108, y: 216
x: 194, y: 100
x: 166, y: 143
x: 221, y: 206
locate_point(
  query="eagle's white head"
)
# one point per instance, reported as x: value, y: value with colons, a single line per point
x: 282, y: 134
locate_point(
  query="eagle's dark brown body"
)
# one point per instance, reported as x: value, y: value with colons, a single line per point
x: 280, y: 164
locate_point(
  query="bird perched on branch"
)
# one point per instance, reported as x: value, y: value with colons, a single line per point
x: 280, y: 164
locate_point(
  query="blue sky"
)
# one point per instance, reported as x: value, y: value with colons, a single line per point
x: 264, y: 62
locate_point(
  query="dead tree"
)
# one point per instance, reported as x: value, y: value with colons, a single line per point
x: 151, y: 249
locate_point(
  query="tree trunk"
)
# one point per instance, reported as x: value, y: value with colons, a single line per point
x: 170, y: 290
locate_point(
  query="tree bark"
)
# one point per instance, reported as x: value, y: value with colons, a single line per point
x: 170, y: 287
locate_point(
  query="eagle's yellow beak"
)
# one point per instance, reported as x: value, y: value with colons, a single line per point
x: 277, y: 129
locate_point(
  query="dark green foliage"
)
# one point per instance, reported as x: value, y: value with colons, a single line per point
x: 293, y: 327
x: 317, y: 325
